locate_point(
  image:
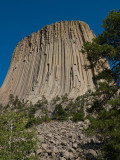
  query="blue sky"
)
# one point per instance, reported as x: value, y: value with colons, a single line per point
x: 20, y: 18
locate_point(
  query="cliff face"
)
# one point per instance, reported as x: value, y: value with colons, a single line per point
x: 50, y: 63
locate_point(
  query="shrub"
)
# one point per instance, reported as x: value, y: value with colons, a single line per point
x: 59, y: 113
x: 38, y: 120
x: 56, y: 99
x: 65, y: 98
x: 78, y: 116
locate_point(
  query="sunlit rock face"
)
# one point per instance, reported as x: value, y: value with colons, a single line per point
x: 50, y: 63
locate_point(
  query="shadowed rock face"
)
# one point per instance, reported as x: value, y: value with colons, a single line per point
x: 50, y: 63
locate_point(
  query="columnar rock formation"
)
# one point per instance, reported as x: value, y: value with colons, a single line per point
x: 50, y: 63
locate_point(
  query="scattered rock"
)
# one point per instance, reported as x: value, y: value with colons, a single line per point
x: 66, y: 154
x: 72, y: 145
x: 44, y: 146
x: 62, y: 158
x: 92, y: 152
x: 75, y: 145
x: 39, y: 151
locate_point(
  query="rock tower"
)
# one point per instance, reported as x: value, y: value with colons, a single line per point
x: 50, y: 63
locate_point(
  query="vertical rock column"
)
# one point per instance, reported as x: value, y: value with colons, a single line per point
x: 50, y: 63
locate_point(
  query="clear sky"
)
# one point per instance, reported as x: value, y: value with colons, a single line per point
x: 20, y: 18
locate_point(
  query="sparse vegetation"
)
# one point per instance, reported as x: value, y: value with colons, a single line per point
x: 74, y: 110
x: 56, y: 99
x: 38, y: 120
x: 78, y: 116
x: 59, y: 113
x: 64, y: 98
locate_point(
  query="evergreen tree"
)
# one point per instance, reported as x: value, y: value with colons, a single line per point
x: 106, y: 98
x: 17, y: 142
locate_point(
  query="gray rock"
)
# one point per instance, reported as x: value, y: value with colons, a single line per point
x: 41, y: 138
x: 52, y: 141
x: 72, y: 145
x: 46, y: 154
x: 91, y: 151
x: 55, y: 150
x: 50, y: 135
x: 66, y: 154
x: 64, y: 143
x: 71, y: 155
x: 62, y: 158
x: 75, y: 145
x: 44, y: 146
x: 39, y: 151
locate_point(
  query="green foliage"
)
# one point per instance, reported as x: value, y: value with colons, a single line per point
x: 43, y: 119
x: 41, y: 102
x: 56, y: 99
x: 78, y: 116
x: 37, y: 120
x: 73, y: 110
x: 44, y: 100
x: 1, y: 107
x: 107, y: 124
x: 11, y: 98
x: 107, y: 45
x: 16, y: 141
x: 106, y: 100
x: 59, y: 113
x: 106, y: 74
x: 31, y: 111
x: 70, y: 108
x: 65, y: 98
x: 15, y: 103
x: 96, y: 51
x: 115, y: 102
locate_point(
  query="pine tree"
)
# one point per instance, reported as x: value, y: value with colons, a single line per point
x: 106, y: 98
x: 17, y: 142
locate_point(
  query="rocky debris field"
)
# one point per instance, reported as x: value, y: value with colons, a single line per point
x: 66, y: 141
